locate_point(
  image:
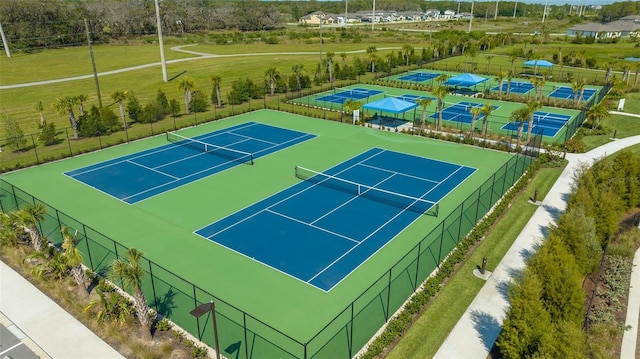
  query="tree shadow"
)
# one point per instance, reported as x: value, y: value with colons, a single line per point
x: 166, y: 303
x: 487, y: 326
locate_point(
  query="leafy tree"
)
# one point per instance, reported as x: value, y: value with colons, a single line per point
x: 134, y: 109
x: 28, y: 218
x: 174, y: 107
x: 561, y: 281
x: 129, y: 270
x: 119, y: 96
x: 48, y: 133
x: 187, y: 85
x: 65, y: 105
x: 199, y: 101
x: 15, y: 135
x: 151, y: 112
x: 163, y: 102
x: 578, y: 232
x: 73, y: 259
x: 527, y: 328
x: 9, y: 234
x: 626, y: 166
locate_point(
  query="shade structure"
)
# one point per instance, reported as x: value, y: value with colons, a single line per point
x: 391, y: 104
x: 538, y: 63
x: 465, y: 80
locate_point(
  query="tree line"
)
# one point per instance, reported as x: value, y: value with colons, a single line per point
x: 30, y: 25
x: 547, y: 316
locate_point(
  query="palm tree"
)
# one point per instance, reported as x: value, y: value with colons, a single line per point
x: 215, y: 82
x: 29, y: 218
x: 424, y: 102
x: 578, y: 90
x: 298, y: 72
x: 486, y: 111
x: 407, y: 50
x: 510, y: 76
x: 343, y: 56
x: 636, y: 67
x: 608, y: 75
x: 81, y: 100
x: 512, y: 58
x: 272, y: 75
x: 371, y: 50
x: 560, y: 62
x: 475, y: 112
x: 119, y: 96
x: 596, y: 114
x: 489, y: 58
x: 187, y: 85
x: 351, y: 105
x: 538, y: 84
x: 40, y: 108
x: 330, y: 65
x: 532, y: 106
x: 520, y: 116
x: 500, y: 79
x: 442, y: 78
x: 64, y: 106
x: 440, y: 92
x: 73, y: 259
x: 9, y: 236
x: 129, y: 271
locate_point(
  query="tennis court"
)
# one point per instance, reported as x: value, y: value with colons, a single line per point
x: 545, y: 123
x: 515, y: 87
x: 419, y: 76
x: 339, y: 218
x: 568, y: 94
x: 342, y: 95
x: 142, y: 175
x: 460, y: 112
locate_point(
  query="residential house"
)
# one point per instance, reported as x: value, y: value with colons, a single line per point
x: 448, y: 14
x: 314, y: 18
x: 432, y: 13
x: 626, y: 26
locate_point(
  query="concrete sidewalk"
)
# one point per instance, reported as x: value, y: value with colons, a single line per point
x: 479, y: 327
x: 54, y: 330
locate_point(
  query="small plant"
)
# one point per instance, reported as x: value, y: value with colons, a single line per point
x: 178, y: 335
x: 198, y: 352
x: 188, y: 343
x: 163, y: 325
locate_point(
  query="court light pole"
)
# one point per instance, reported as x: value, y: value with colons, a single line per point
x: 203, y: 309
x: 163, y: 62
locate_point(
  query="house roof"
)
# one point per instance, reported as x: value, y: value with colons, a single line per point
x: 594, y: 27
x: 625, y: 25
x: 631, y: 17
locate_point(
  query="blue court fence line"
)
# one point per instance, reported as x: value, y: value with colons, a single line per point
x: 174, y: 296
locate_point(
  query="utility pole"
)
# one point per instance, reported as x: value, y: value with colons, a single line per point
x: 373, y: 15
x: 162, y: 60
x: 495, y: 16
x: 514, y: 10
x: 346, y: 9
x: 544, y: 12
x: 471, y: 17
x: 93, y: 63
x: 4, y: 42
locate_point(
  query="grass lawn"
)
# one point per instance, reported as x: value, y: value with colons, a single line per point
x: 625, y: 126
x: 447, y: 308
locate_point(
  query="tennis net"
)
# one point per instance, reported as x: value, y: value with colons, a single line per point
x: 229, y: 153
x: 550, y: 119
x: 350, y: 93
x: 418, y: 73
x: 403, y: 201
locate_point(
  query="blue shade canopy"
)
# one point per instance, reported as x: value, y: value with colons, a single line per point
x: 540, y: 63
x: 391, y: 104
x: 465, y: 80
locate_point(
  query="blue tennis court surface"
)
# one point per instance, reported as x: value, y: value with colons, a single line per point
x: 515, y: 86
x: 324, y: 227
x: 545, y: 123
x: 568, y: 94
x: 141, y: 175
x: 459, y: 112
x: 419, y: 76
x: 342, y: 95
